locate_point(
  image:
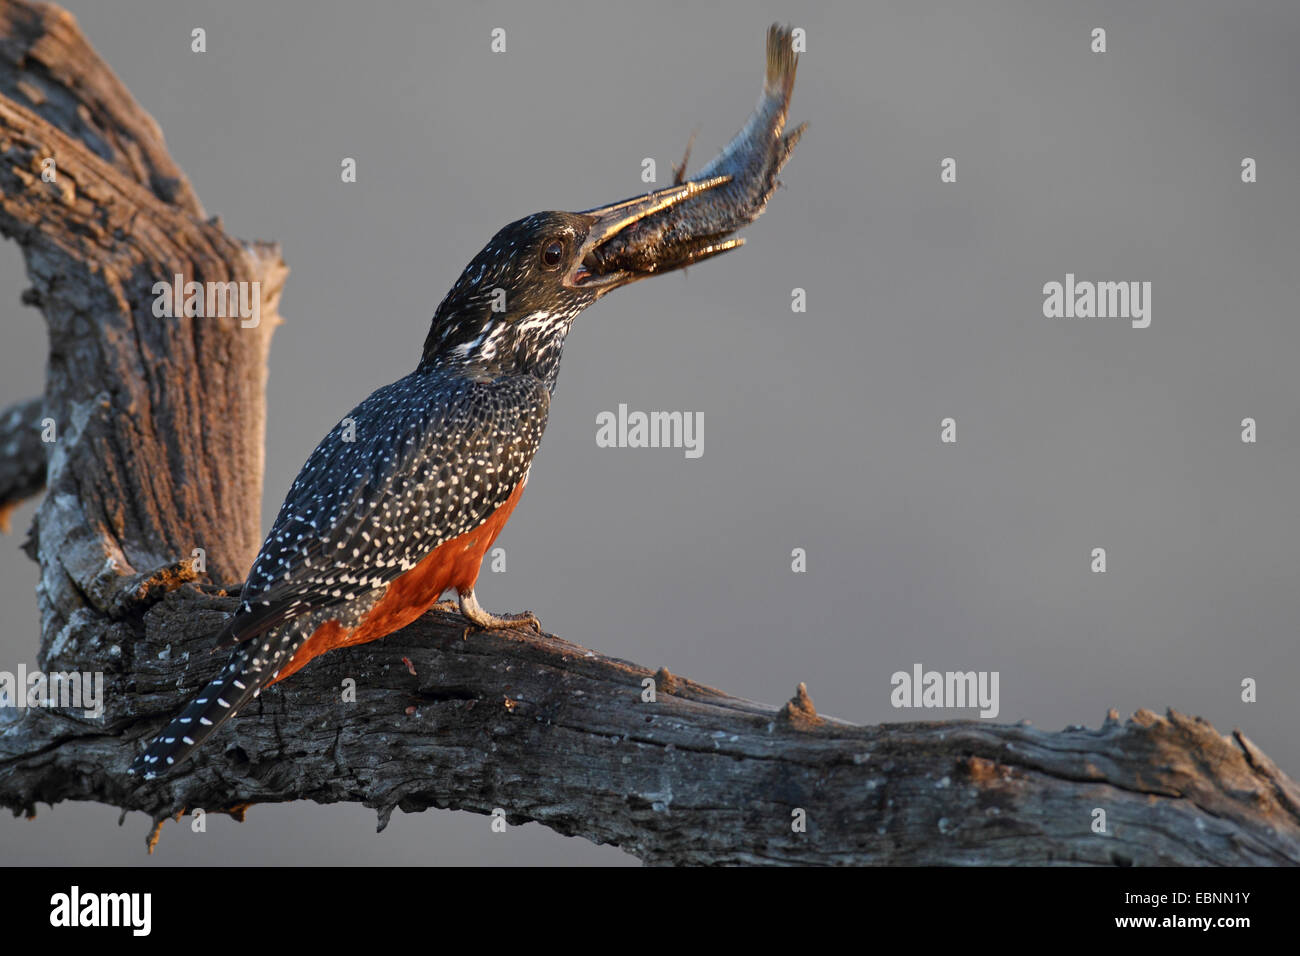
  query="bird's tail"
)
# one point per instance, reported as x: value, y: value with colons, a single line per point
x: 250, y: 668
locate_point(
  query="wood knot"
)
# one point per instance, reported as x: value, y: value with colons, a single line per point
x: 149, y: 587
x: 164, y: 580
x: 238, y: 811
x: 1146, y: 718
x: 151, y: 841
x: 799, y: 709
x: 980, y: 770
x: 665, y: 682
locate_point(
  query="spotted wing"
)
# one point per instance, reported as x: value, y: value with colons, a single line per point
x: 419, y: 462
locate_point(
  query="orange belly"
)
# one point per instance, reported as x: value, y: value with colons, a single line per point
x: 453, y: 564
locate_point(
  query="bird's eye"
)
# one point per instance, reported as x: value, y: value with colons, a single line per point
x: 552, y: 253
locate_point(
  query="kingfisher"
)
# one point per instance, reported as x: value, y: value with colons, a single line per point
x: 401, y: 500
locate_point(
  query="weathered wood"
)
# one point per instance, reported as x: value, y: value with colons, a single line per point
x: 553, y: 732
x: 22, y: 457
x: 159, y: 451
x: 160, y: 420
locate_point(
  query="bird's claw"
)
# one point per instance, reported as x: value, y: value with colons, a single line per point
x: 469, y: 607
x: 527, y: 618
x: 501, y: 622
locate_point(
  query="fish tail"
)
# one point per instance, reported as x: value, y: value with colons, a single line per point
x: 782, y: 62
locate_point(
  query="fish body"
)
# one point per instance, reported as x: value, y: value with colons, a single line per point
x: 697, y: 228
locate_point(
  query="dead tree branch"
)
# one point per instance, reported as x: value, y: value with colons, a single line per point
x: 159, y: 452
x: 22, y: 457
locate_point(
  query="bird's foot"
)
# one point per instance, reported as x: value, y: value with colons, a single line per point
x: 481, y: 619
x: 447, y: 606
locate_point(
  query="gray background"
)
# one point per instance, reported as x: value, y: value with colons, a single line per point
x: 821, y: 429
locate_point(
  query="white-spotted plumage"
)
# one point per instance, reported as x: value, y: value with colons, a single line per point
x: 418, y: 463
x: 431, y: 457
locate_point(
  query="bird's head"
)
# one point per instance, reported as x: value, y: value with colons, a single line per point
x: 512, y: 306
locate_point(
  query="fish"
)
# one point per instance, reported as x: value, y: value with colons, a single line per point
x: 731, y: 191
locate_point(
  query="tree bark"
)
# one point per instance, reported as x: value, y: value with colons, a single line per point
x: 158, y: 452
x: 22, y: 457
